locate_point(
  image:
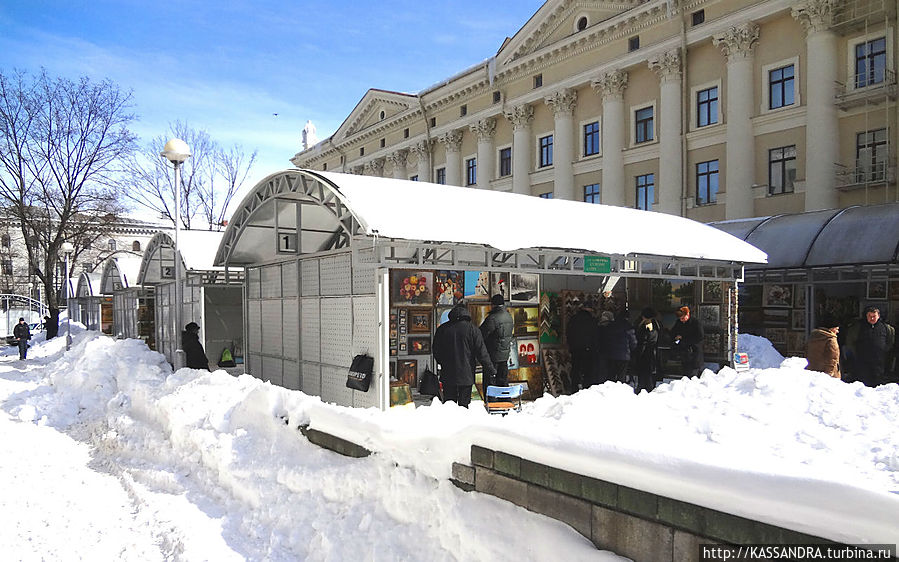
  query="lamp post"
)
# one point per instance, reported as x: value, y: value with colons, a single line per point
x: 176, y: 151
x: 67, y: 248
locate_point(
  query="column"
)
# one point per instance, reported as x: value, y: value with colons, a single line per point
x: 521, y: 116
x: 669, y: 184
x: 485, y: 129
x: 821, y: 130
x: 398, y: 161
x: 611, y: 87
x: 737, y: 44
x: 452, y: 140
x: 422, y: 151
x: 562, y: 104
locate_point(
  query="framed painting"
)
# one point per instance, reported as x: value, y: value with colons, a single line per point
x: 550, y: 317
x: 407, y: 372
x: 525, y: 321
x: 798, y: 320
x: 776, y: 294
x: 448, y: 287
x: 894, y: 289
x: 513, y: 355
x: 419, y: 345
x: 403, y: 347
x: 477, y: 285
x: 478, y: 313
x: 420, y: 321
x: 410, y: 287
x: 528, y: 351
x: 499, y: 285
x: 798, y: 296
x: 777, y: 336
x: 710, y: 315
x: 877, y: 290
x: 523, y: 287
x: 712, y: 292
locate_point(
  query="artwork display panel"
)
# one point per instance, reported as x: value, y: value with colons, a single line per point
x: 419, y: 345
x: 499, y: 285
x: 796, y: 342
x: 711, y: 345
x: 877, y: 290
x: 710, y: 315
x: 798, y: 320
x: 799, y: 296
x: 478, y: 313
x: 750, y: 296
x: 411, y: 287
x: 777, y: 336
x: 524, y: 287
x: 550, y: 318
x: 407, y: 372
x: 448, y: 287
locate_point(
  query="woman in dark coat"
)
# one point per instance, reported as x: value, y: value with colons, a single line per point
x: 646, y: 356
x: 195, y: 356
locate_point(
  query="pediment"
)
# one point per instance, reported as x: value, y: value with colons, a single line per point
x: 556, y: 21
x: 374, y: 107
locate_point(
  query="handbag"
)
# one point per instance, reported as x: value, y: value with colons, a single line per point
x: 359, y: 377
x: 429, y: 385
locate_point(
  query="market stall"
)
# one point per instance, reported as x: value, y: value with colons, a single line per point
x: 339, y: 265
x: 94, y: 308
x: 132, y: 303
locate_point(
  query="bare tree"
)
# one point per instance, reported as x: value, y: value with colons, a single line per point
x: 62, y: 143
x: 209, y: 178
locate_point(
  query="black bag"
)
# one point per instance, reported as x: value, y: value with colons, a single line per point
x: 429, y: 385
x: 359, y: 377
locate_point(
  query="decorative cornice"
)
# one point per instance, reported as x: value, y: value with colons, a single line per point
x: 520, y: 116
x: 738, y: 41
x: 814, y: 15
x: 667, y: 65
x: 369, y: 109
x: 562, y: 101
x: 452, y: 140
x: 611, y: 85
x: 485, y: 129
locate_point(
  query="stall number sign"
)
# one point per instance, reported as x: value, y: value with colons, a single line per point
x: 597, y: 264
x: 741, y: 362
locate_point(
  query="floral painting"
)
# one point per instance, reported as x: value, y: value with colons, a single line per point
x: 410, y: 287
x: 778, y: 295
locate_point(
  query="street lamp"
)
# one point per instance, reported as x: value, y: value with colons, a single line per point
x: 67, y: 249
x: 176, y: 151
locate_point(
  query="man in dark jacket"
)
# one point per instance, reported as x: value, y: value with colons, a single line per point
x: 873, y: 343
x: 646, y: 356
x: 22, y: 334
x: 581, y: 334
x: 497, y: 332
x: 458, y: 344
x: 616, y: 342
x: 687, y: 336
x: 195, y: 356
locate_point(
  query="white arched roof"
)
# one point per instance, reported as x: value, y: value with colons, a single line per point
x: 120, y: 272
x: 344, y: 205
x: 197, y: 253
x: 88, y: 285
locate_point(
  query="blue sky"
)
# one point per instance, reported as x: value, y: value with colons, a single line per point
x: 228, y: 66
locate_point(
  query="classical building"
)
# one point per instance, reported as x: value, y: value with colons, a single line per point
x: 708, y: 109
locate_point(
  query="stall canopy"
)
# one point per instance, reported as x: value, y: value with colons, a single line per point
x: 197, y: 252
x: 120, y: 272
x: 334, y: 208
x: 88, y: 285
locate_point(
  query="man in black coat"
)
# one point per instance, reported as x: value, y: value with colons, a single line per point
x: 22, y: 334
x: 497, y: 332
x: 458, y: 345
x: 872, y: 347
x: 616, y: 342
x: 195, y: 356
x: 581, y: 332
x: 646, y: 356
x: 687, y: 336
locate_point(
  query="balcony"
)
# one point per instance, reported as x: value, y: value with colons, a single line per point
x: 865, y: 88
x: 866, y: 174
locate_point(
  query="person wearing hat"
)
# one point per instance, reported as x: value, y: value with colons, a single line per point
x: 646, y: 356
x: 195, y: 356
x: 22, y: 334
x: 822, y: 349
x: 458, y: 346
x: 496, y: 330
x: 687, y: 336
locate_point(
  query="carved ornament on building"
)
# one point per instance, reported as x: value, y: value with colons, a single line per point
x: 611, y: 84
x: 738, y: 41
x: 485, y: 129
x: 374, y: 167
x: 520, y: 116
x: 814, y: 15
x: 398, y: 159
x: 452, y: 140
x: 562, y: 102
x: 667, y: 65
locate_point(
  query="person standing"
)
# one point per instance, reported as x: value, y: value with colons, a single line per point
x: 496, y: 330
x: 581, y: 335
x: 646, y: 356
x: 195, y: 356
x: 687, y: 335
x: 822, y: 349
x: 617, y: 341
x: 458, y: 346
x: 873, y: 342
x: 22, y: 334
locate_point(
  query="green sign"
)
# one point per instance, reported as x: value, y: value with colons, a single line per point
x: 597, y: 264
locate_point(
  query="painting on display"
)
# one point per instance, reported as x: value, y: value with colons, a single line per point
x: 550, y: 315
x: 525, y: 321
x: 409, y: 287
x: 799, y: 296
x: 513, y: 355
x: 711, y: 344
x: 776, y: 294
x: 443, y: 315
x: 448, y: 287
x: 524, y: 287
x: 420, y: 321
x: 894, y: 289
x: 477, y: 285
x: 712, y: 292
x: 710, y: 315
x: 407, y: 372
x: 798, y: 322
x: 419, y: 345
x: 877, y: 290
x: 393, y: 332
x: 528, y: 349
x: 478, y: 313
x: 777, y: 336
x: 499, y: 285
x: 796, y: 342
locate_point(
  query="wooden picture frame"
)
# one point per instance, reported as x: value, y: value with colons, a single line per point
x: 798, y: 296
x: 778, y: 295
x: 877, y: 290
x: 528, y: 350
x: 419, y: 345
x: 448, y: 287
x: 712, y: 292
x: 525, y: 288
x: 420, y: 320
x: 710, y: 315
x: 407, y: 372
x: 797, y: 320
x: 409, y: 287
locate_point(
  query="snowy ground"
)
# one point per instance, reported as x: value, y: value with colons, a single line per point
x: 107, y: 455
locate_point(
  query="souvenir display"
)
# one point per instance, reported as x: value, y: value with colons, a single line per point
x: 550, y: 316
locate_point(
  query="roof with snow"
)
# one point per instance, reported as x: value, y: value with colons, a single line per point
x: 88, y: 285
x: 197, y: 250
x: 120, y: 272
x: 337, y: 207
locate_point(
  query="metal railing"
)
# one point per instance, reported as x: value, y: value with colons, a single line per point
x: 870, y: 86
x: 866, y: 173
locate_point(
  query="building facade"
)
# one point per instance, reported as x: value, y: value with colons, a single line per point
x: 713, y: 110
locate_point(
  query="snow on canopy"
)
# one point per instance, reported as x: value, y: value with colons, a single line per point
x: 197, y: 251
x: 508, y: 221
x: 124, y: 269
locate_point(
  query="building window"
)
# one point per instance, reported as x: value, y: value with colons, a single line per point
x: 382, y: 114
x: 362, y: 151
x: 7, y: 267
x: 471, y: 171
x: 497, y: 96
x: 383, y: 143
x: 781, y: 169
x: 780, y: 87
x: 325, y: 167
x: 871, y: 156
x: 433, y: 121
x: 463, y: 111
x: 870, y: 62
x: 591, y: 193
x: 707, y: 107
x: 582, y: 23
x: 135, y: 246
x: 646, y: 191
x: 591, y: 138
x: 547, y: 195
x: 707, y: 182
x: 111, y: 244
x: 414, y: 178
x: 505, y: 162
x: 546, y: 151
x: 697, y: 17
x: 441, y: 176
x: 633, y: 43
x: 4, y: 241
x: 406, y: 133
x: 643, y: 125
x: 538, y: 81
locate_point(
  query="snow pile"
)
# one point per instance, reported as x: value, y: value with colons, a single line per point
x: 762, y: 354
